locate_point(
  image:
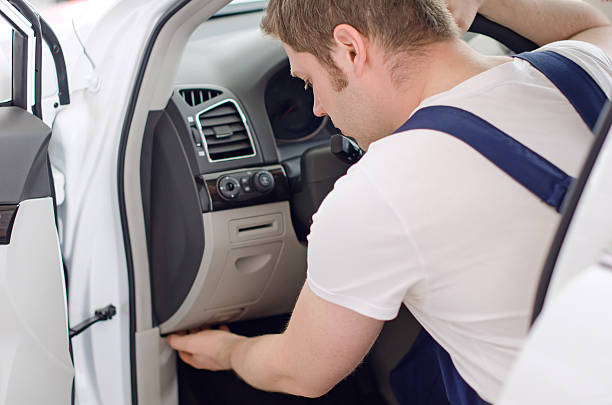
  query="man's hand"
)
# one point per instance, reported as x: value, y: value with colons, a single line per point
x: 323, y: 343
x: 206, y: 349
x: 464, y: 12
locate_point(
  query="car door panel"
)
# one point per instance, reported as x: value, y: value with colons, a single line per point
x: 36, y: 365
x: 23, y: 156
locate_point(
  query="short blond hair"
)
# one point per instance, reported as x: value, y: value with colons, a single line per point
x: 399, y: 26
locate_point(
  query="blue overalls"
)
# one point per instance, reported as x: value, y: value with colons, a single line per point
x: 427, y: 375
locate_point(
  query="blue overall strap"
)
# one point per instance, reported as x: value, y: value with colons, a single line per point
x: 458, y: 391
x: 426, y: 375
x: 418, y: 379
x: 576, y: 85
x: 531, y: 170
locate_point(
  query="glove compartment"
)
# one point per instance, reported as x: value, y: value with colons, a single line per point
x: 253, y: 266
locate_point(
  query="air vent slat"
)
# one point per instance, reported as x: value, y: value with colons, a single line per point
x: 223, y: 120
x: 210, y: 130
x: 237, y: 137
x: 221, y: 110
x: 225, y: 133
x: 229, y: 148
x: 194, y: 97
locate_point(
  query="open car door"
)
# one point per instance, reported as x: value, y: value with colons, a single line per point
x: 35, y: 366
x: 566, y: 358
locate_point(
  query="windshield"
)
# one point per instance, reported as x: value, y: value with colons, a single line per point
x: 247, y: 1
x: 242, y: 6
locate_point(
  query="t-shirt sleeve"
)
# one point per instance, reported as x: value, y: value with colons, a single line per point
x: 589, y: 57
x: 360, y: 255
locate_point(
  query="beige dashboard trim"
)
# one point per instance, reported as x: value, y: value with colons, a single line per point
x: 256, y: 274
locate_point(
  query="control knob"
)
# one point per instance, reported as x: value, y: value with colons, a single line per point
x: 263, y: 181
x: 228, y: 187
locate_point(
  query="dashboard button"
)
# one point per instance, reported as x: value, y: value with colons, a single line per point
x: 228, y: 187
x: 245, y: 182
x: 197, y: 139
x: 263, y: 181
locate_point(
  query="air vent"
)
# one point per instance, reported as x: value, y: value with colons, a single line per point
x: 195, y: 97
x: 225, y: 133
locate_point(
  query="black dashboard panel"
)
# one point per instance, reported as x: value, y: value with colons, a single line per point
x: 245, y: 188
x: 289, y: 106
x: 229, y: 63
x: 172, y: 213
x: 192, y: 121
x: 231, y: 55
x: 241, y: 63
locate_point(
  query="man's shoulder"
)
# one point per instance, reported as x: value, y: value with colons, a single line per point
x: 589, y: 57
x: 574, y: 49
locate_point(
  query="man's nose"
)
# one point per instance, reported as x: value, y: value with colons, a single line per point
x: 317, y: 109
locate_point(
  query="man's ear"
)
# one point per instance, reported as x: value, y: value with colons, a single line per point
x: 351, y: 49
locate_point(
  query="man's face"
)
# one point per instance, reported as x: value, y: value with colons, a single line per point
x: 350, y: 108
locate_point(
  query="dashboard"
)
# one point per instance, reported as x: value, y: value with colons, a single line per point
x: 231, y: 172
x: 230, y: 53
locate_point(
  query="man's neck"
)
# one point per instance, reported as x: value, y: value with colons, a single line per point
x: 442, y: 67
x: 453, y: 62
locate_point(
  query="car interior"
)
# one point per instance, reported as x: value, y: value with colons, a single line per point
x: 230, y: 172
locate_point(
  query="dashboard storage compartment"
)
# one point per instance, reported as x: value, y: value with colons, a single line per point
x: 246, y: 272
x: 253, y: 266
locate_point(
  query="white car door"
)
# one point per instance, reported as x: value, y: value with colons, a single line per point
x: 567, y: 357
x: 35, y: 362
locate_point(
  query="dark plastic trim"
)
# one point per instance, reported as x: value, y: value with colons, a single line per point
x: 59, y: 61
x: 8, y: 213
x: 53, y: 43
x: 602, y: 129
x: 121, y: 184
x: 173, y: 218
x: 18, y: 65
x: 24, y: 140
x: 19, y: 75
x: 514, y: 41
x: 34, y: 19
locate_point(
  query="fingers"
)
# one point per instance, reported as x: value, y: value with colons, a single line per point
x: 183, y: 340
x: 187, y: 358
x: 179, y: 342
x: 464, y: 12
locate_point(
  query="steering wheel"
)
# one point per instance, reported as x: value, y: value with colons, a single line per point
x: 513, y: 41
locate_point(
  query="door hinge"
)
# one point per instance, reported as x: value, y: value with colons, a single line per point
x: 102, y: 314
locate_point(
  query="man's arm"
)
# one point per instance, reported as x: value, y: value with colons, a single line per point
x: 323, y: 343
x: 546, y: 21
x: 601, y: 36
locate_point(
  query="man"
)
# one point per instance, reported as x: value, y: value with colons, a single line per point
x: 428, y: 221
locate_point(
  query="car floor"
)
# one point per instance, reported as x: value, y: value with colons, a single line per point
x: 220, y: 388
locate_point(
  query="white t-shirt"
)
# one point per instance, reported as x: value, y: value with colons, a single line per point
x: 425, y: 220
